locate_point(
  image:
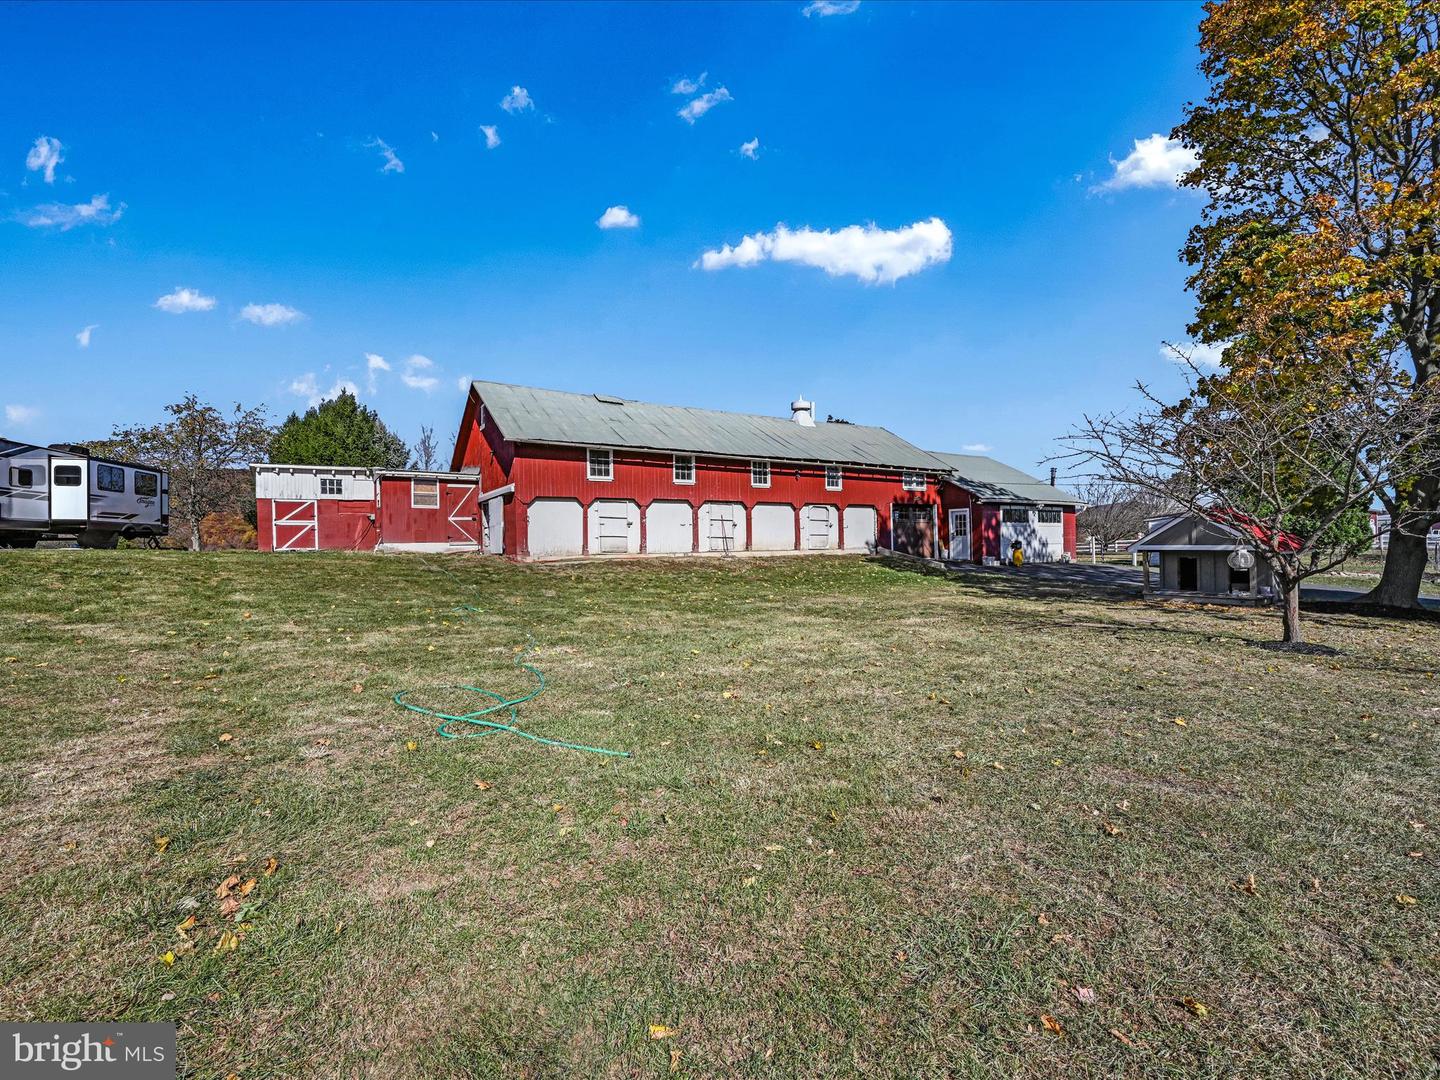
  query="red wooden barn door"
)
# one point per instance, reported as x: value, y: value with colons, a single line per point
x: 462, y: 514
x: 295, y: 526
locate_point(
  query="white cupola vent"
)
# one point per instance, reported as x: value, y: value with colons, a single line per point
x: 803, y: 412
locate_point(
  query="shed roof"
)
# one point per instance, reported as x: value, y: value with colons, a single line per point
x: 1216, y: 529
x: 995, y: 481
x: 527, y: 414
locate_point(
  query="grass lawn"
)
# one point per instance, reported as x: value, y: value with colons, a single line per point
x: 877, y: 823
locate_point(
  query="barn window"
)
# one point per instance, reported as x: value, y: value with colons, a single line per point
x: 1015, y: 515
x: 1050, y: 516
x: 332, y: 485
x: 147, y: 483
x: 759, y: 474
x: 22, y: 477
x: 683, y: 469
x: 834, y: 479
x: 480, y: 417
x: 110, y: 478
x: 912, y: 481
x: 67, y: 475
x: 424, y: 494
x: 600, y: 464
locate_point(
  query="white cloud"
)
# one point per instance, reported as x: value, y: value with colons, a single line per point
x: 411, y: 376
x: 182, y: 300
x: 750, y: 149
x: 65, y: 217
x: 44, y: 156
x: 830, y: 7
x: 977, y: 448
x: 270, y: 314
x: 689, y: 86
x: 392, y: 161
x: 463, y: 383
x: 374, y: 364
x: 1198, y: 353
x: 434, y: 136
x: 867, y: 252
x: 698, y: 107
x: 20, y: 414
x: 492, y: 135
x: 83, y: 337
x: 618, y: 217
x: 517, y: 100
x: 306, y: 387
x: 1155, y: 162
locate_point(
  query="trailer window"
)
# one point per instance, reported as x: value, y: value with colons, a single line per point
x: 67, y: 475
x: 110, y: 478
x: 22, y: 477
x: 425, y: 494
x: 147, y: 483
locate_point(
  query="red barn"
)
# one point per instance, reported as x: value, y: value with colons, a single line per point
x: 315, y: 507
x: 563, y: 474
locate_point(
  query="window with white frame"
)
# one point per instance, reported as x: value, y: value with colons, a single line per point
x: 683, y: 469
x: 834, y: 479
x: 480, y: 417
x: 425, y: 494
x: 759, y: 474
x: 912, y: 481
x: 600, y: 465
x: 332, y: 485
x: 1050, y: 515
x: 1015, y: 515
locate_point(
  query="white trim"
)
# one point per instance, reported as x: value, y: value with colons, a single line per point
x: 839, y: 484
x: 292, y: 518
x: 759, y: 461
x: 470, y: 490
x: 959, y: 514
x: 590, y: 451
x: 868, y: 466
x: 424, y: 506
x: 674, y: 460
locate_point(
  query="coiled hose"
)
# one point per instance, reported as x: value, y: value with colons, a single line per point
x: 470, y: 725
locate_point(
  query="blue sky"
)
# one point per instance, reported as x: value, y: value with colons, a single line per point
x: 239, y: 153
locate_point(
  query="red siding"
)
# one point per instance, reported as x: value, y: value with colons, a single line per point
x: 307, y: 525
x: 401, y: 523
x: 1069, y: 526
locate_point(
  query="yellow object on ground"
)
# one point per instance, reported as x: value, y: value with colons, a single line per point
x: 1017, y: 556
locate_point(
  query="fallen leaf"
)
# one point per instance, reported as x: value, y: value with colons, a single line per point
x: 1179, y: 721
x: 749, y: 882
x: 358, y: 688
x: 430, y: 843
x: 229, y: 906
x: 1042, y: 919
x: 271, y: 865
x: 161, y: 843
x: 772, y: 848
x: 660, y: 1031
x: 1085, y: 995
x: 674, y: 1059
x: 1111, y: 829
x: 818, y: 744
x: 186, y: 926
x: 958, y: 755
x: 1122, y: 1037
x: 1199, y: 1008
x: 168, y: 958
x: 245, y: 889
x: 223, y: 889
x: 227, y: 942
x: 484, y: 785
x: 226, y: 737
x: 1247, y: 885
x: 1052, y: 1025
x: 412, y: 745
x: 1406, y: 901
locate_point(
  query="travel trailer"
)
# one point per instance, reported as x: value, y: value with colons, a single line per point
x: 59, y: 491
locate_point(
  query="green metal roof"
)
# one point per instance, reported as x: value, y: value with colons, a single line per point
x: 995, y: 481
x: 526, y: 414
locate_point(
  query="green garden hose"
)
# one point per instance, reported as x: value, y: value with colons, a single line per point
x: 470, y: 725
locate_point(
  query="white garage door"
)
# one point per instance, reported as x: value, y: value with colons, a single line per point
x: 859, y: 527
x: 722, y: 527
x: 668, y: 527
x: 820, y: 527
x: 556, y: 527
x: 1041, y: 532
x: 773, y: 527
x: 614, y: 527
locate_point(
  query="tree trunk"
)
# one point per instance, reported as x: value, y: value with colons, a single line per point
x: 1405, y: 560
x: 1290, y: 611
x: 194, y: 534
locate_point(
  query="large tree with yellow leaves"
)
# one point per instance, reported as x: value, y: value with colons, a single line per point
x: 1319, y: 148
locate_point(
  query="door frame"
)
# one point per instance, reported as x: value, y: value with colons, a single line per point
x: 962, y: 514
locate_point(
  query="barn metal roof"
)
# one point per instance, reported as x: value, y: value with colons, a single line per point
x: 527, y: 414
x: 995, y: 481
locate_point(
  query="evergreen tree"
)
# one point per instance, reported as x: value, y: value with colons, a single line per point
x: 340, y: 431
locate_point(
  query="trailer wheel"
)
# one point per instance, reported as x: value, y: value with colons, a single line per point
x: 91, y: 539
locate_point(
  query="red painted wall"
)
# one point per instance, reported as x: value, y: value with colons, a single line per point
x: 341, y: 524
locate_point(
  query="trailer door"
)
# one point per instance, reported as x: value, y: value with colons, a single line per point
x: 24, y: 486
x: 69, y: 494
